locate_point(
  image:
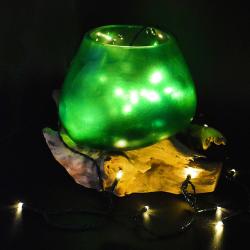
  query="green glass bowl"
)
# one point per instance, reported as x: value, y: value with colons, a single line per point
x: 127, y: 87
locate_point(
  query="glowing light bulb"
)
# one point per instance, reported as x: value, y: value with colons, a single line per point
x: 19, y: 208
x: 218, y: 212
x: 193, y: 172
x: 205, y: 125
x: 119, y: 92
x: 134, y: 97
x: 127, y: 108
x: 156, y: 77
x: 121, y: 143
x: 146, y: 214
x: 119, y: 174
x: 160, y: 35
x: 168, y: 90
x: 219, y: 225
x: 233, y: 172
x: 151, y: 96
x: 20, y: 205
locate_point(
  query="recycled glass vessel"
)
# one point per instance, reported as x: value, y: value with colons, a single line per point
x: 127, y: 87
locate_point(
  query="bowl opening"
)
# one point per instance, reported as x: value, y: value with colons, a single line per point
x: 128, y: 36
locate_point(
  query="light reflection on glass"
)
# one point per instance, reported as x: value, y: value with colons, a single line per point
x: 177, y: 94
x: 156, y: 77
x: 103, y: 78
x: 163, y: 136
x: 150, y: 95
x: 168, y: 90
x: 160, y: 35
x: 127, y: 108
x: 107, y: 37
x: 134, y: 98
x: 119, y: 92
x: 121, y: 143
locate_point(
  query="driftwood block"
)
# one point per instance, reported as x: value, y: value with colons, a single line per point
x: 159, y: 167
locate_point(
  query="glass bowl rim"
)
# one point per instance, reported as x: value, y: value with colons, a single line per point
x: 88, y: 36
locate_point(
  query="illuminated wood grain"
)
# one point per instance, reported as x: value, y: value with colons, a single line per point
x: 160, y: 167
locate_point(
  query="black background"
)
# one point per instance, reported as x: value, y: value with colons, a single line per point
x: 38, y: 40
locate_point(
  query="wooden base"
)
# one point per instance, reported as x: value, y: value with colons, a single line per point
x: 159, y: 167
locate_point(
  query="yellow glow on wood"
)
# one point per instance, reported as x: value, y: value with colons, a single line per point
x: 193, y: 172
x: 167, y: 167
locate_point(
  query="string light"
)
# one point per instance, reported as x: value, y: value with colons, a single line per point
x: 160, y: 35
x: 144, y: 214
x: 145, y: 209
x: 193, y: 172
x: 119, y: 175
x: 219, y: 225
x: 189, y: 171
x: 218, y: 212
x: 19, y: 207
x: 233, y: 172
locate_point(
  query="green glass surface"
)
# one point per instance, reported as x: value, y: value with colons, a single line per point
x: 126, y: 88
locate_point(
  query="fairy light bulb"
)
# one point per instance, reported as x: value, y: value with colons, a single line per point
x: 20, y: 205
x: 119, y: 175
x: 19, y: 208
x: 218, y: 212
x: 232, y: 172
x: 219, y: 225
x: 146, y: 214
x: 193, y: 172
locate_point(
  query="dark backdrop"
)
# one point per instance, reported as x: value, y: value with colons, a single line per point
x: 38, y: 39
